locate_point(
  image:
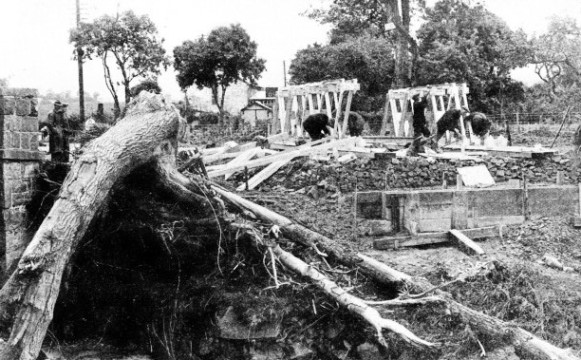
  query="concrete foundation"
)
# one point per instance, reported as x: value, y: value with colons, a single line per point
x: 423, y: 211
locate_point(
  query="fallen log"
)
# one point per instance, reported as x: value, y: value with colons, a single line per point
x: 149, y: 131
x: 527, y: 343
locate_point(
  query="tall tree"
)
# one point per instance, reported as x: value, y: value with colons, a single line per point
x: 459, y: 42
x: 227, y: 55
x: 557, y: 57
x: 132, y: 43
x: 354, y: 18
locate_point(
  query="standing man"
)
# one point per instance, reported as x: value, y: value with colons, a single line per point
x: 419, y: 123
x: 57, y: 128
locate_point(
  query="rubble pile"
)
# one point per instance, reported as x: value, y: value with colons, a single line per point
x: 411, y: 172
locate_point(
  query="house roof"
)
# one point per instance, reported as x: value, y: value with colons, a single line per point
x: 256, y: 106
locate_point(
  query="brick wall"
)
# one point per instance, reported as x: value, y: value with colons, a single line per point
x: 19, y: 162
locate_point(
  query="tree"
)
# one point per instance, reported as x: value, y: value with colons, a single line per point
x: 368, y: 58
x: 557, y: 57
x: 459, y: 42
x: 370, y: 17
x: 132, y: 42
x: 225, y: 56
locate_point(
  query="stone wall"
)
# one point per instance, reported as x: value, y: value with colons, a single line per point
x: 19, y: 162
x: 413, y: 173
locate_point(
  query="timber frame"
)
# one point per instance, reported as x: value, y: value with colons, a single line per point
x: 294, y: 103
x: 399, y: 103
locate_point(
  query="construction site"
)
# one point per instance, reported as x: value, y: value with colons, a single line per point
x: 148, y: 245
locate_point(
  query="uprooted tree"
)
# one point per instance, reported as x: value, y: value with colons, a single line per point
x: 146, y: 141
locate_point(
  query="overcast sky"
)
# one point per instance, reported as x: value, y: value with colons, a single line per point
x: 35, y: 52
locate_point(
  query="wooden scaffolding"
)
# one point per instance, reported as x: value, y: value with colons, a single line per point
x: 399, y: 105
x: 294, y: 103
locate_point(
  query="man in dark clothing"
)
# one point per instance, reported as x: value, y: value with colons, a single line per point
x: 450, y: 121
x: 419, y: 123
x: 57, y: 127
x: 480, y: 125
x: 356, y: 124
x: 317, y: 125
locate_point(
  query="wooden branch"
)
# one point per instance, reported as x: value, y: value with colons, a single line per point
x: 352, y: 303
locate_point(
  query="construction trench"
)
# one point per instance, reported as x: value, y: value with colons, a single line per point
x: 189, y: 264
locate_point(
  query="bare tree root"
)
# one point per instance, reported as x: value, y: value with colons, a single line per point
x: 350, y: 302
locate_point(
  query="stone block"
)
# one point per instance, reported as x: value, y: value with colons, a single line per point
x: 23, y: 106
x: 12, y: 123
x: 25, y: 140
x: 7, y: 105
x: 29, y: 124
x: 29, y: 169
x: 12, y: 170
x: 33, y: 107
x: 15, y: 140
x: 21, y: 198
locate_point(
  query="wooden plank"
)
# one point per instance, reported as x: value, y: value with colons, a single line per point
x: 393, y: 242
x: 263, y: 174
x: 347, y: 112
x: 384, y: 120
x: 476, y: 176
x: 328, y: 105
x: 244, y: 157
x: 300, y: 151
x: 288, y: 103
x: 466, y: 242
x: 403, y: 119
x: 217, y: 157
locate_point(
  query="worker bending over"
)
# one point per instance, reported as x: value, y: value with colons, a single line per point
x: 317, y: 126
x: 458, y: 120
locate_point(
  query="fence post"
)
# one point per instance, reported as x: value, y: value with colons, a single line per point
x: 517, y: 122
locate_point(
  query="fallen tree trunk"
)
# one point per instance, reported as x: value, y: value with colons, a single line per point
x: 149, y: 130
x: 525, y: 342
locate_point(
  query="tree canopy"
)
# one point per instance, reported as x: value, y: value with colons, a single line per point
x: 557, y: 56
x: 227, y: 55
x: 459, y: 42
x: 368, y: 59
x: 130, y: 40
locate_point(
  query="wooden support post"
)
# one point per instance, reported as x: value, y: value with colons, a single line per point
x: 288, y: 102
x: 312, y: 109
x: 466, y: 242
x: 404, y: 111
x: 458, y: 182
x: 518, y: 122
x: 347, y: 112
x: 328, y: 105
x: 275, y: 125
x: 525, y: 198
x: 384, y: 121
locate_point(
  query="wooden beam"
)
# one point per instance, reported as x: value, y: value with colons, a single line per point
x: 393, y: 242
x: 244, y: 157
x: 301, y: 151
x: 466, y: 242
x: 404, y: 111
x: 264, y: 174
x: 347, y: 112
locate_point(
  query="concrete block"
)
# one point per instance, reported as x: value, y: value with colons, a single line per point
x: 29, y: 169
x: 23, y: 106
x: 369, y: 205
x: 33, y: 107
x: 15, y: 245
x: 15, y: 140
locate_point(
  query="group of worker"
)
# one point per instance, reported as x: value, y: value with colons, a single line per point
x: 319, y: 125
